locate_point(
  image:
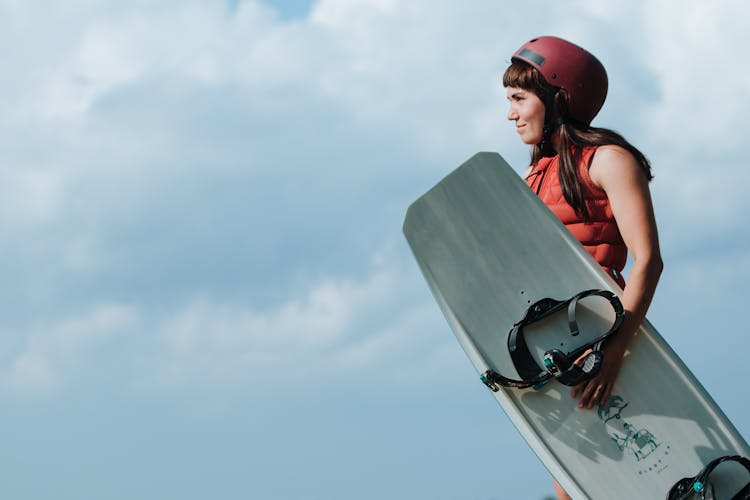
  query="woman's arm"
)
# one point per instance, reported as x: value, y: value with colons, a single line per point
x: 617, y: 172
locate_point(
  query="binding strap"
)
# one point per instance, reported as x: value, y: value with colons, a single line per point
x: 701, y: 487
x: 569, y: 368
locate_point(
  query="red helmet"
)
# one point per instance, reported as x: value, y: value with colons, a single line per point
x: 568, y: 66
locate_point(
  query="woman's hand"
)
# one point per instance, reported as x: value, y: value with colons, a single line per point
x: 598, y: 389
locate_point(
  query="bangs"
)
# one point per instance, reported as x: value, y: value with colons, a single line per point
x: 524, y: 76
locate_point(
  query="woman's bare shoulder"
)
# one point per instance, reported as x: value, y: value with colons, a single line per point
x: 611, y: 162
x: 612, y: 152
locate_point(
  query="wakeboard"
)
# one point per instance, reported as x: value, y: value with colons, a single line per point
x: 491, y: 253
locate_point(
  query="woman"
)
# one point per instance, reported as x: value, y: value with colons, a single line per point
x: 594, y: 181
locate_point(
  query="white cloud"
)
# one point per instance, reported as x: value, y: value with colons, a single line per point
x: 432, y: 85
x: 38, y: 191
x: 103, y: 61
x: 52, y: 356
x: 705, y: 88
x: 389, y: 62
x: 335, y: 327
x: 113, y: 51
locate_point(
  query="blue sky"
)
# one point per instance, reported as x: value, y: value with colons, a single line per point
x: 207, y: 294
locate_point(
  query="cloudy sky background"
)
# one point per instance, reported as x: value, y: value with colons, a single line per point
x: 206, y: 290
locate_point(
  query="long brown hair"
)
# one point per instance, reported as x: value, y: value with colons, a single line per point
x: 570, y: 136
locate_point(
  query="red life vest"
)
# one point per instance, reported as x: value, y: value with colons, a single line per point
x: 601, y: 236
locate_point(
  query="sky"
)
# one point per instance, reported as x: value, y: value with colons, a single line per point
x: 207, y: 292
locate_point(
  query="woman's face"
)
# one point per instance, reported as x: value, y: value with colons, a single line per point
x: 527, y: 110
